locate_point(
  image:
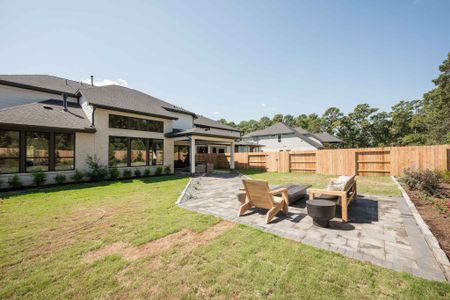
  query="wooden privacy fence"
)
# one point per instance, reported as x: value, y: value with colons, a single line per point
x: 382, y: 161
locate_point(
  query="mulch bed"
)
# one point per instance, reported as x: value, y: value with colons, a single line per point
x: 437, y: 221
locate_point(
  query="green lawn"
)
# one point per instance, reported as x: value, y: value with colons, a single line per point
x: 45, y: 234
x: 371, y: 185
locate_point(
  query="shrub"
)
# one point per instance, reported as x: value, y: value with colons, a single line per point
x: 39, y: 177
x: 114, y: 173
x: 78, y: 176
x: 147, y: 172
x: 158, y: 171
x: 444, y: 175
x: 60, y: 178
x: 137, y: 173
x: 126, y: 173
x: 168, y: 170
x: 97, y: 172
x: 15, y: 182
x: 426, y: 181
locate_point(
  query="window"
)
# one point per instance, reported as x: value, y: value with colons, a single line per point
x: 202, y: 149
x: 279, y: 138
x: 37, y: 152
x: 64, y: 151
x: 158, y: 150
x: 118, y: 152
x: 138, y: 152
x: 9, y: 151
x: 134, y: 152
x: 123, y: 122
x: 221, y: 150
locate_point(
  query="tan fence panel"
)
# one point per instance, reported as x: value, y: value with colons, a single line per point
x: 382, y: 161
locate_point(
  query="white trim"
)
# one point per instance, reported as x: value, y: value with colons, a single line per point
x: 184, y: 191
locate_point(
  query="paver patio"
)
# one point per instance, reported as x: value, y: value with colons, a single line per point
x: 381, y: 230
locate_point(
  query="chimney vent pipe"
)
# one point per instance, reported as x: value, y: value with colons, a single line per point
x: 64, y: 101
x: 92, y: 80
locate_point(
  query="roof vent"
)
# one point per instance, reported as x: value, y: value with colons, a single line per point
x: 48, y: 107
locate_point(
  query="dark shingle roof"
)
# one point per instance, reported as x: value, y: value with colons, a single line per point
x: 325, y: 137
x: 202, y: 121
x: 126, y: 99
x: 48, y: 113
x: 45, y: 82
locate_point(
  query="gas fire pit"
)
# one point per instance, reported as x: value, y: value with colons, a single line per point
x: 321, y: 211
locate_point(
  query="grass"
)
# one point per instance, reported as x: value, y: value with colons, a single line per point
x: 370, y: 185
x: 45, y: 233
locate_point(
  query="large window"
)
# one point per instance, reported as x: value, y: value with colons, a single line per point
x: 123, y: 122
x: 134, y: 152
x: 9, y: 151
x: 37, y: 151
x: 64, y: 151
x: 118, y: 151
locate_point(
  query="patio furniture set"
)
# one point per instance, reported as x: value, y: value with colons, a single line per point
x: 321, y: 205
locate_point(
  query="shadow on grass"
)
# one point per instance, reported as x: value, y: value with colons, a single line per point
x: 251, y: 171
x: 84, y: 185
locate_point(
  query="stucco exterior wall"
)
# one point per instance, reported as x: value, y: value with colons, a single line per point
x: 11, y: 96
x: 184, y: 121
x: 288, y: 142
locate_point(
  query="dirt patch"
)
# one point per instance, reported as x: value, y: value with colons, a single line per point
x: 184, y: 238
x: 437, y: 221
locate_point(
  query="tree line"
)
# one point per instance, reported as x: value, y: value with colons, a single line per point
x: 417, y: 122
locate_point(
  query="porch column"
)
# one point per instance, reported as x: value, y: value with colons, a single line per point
x: 192, y: 152
x: 232, y: 156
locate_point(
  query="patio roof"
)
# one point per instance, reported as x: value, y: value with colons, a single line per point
x: 206, y: 132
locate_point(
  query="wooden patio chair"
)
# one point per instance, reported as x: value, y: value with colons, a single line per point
x: 344, y: 196
x: 259, y: 195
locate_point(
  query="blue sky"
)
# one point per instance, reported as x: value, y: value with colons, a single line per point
x: 236, y: 59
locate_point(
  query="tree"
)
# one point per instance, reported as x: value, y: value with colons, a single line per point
x: 380, y: 131
x: 330, y: 119
x: 289, y: 120
x: 264, y: 122
x: 314, y: 123
x: 363, y: 127
x: 277, y: 118
x: 402, y: 115
x: 301, y: 121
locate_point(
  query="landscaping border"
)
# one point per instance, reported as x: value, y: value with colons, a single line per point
x: 431, y: 240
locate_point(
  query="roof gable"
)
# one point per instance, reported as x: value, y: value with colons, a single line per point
x: 202, y: 121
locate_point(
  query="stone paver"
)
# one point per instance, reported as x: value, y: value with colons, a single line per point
x: 381, y: 229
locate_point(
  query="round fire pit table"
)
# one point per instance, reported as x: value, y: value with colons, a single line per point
x: 321, y: 211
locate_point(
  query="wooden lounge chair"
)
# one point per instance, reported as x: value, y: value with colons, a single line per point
x: 344, y: 196
x: 259, y: 195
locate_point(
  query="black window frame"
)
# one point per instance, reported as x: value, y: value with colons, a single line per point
x: 51, y: 149
x: 151, y: 157
x: 55, y: 150
x: 13, y: 157
x: 279, y: 138
x: 137, y: 124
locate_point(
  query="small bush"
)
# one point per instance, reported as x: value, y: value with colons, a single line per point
x: 444, y: 175
x: 97, y: 172
x: 147, y: 172
x: 158, y: 171
x: 60, y: 178
x: 167, y: 170
x: 39, y: 177
x: 114, y: 173
x: 15, y: 182
x: 137, y: 173
x: 126, y: 173
x: 78, y: 176
x: 426, y: 181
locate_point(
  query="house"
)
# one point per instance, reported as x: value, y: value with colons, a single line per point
x: 279, y: 137
x: 53, y: 124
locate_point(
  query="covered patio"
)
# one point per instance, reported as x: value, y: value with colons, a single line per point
x: 189, y: 143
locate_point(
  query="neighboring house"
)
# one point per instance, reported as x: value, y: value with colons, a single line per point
x: 279, y: 137
x: 247, y: 146
x: 52, y: 124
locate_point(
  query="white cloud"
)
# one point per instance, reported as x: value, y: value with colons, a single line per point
x: 216, y: 113
x: 263, y: 105
x: 104, y: 82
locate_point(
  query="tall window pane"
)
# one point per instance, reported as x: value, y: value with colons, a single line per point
x: 155, y: 126
x: 37, y: 151
x: 9, y: 151
x: 118, y: 148
x: 64, y: 151
x: 158, y: 152
x: 138, y: 156
x: 116, y: 121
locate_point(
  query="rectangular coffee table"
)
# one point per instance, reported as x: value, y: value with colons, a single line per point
x: 295, y: 192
